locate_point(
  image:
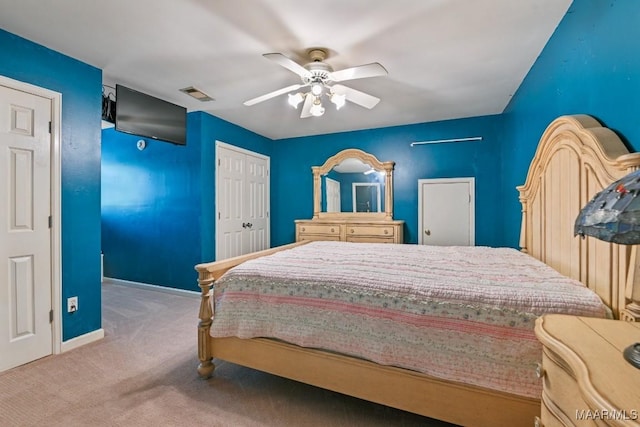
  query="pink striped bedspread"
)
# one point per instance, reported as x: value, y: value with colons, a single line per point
x: 464, y: 314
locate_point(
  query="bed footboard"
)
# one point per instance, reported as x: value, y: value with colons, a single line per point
x: 208, y: 273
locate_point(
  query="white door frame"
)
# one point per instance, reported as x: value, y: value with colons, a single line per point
x: 220, y: 144
x: 472, y: 205
x: 56, y: 209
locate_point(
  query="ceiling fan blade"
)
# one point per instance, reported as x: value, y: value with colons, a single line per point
x: 355, y: 96
x: 288, y: 63
x: 272, y: 94
x: 360, y: 72
x: 306, y: 107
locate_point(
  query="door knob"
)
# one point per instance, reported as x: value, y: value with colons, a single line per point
x: 427, y: 232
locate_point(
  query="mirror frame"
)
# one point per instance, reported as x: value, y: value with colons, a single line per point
x: 319, y: 171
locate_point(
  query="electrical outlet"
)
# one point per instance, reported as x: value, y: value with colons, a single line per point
x: 72, y: 304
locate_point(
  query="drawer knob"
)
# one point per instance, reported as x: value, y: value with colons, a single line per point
x: 332, y: 229
x: 303, y: 228
x: 539, y: 370
x: 537, y: 422
x: 386, y: 231
x: 352, y: 230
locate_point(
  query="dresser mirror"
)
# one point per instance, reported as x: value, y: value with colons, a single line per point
x: 353, y: 183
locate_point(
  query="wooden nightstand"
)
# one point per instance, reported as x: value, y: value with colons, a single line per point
x: 586, y: 381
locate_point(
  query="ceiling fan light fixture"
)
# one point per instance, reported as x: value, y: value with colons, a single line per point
x: 316, y: 88
x: 295, y: 99
x: 338, y: 100
x: 321, y: 80
x: 316, y: 109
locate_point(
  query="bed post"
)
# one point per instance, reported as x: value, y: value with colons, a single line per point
x: 317, y: 189
x: 524, y: 225
x: 631, y: 311
x: 206, y: 366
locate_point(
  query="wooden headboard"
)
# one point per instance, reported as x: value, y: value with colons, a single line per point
x: 577, y: 157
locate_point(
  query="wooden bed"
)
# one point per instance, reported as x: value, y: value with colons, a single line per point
x: 575, y: 158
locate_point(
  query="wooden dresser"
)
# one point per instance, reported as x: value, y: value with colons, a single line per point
x: 350, y: 230
x: 352, y: 165
x: 586, y: 381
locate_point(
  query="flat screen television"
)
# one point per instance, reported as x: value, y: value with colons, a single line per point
x: 141, y: 114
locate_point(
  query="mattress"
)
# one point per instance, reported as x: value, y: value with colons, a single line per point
x: 464, y: 314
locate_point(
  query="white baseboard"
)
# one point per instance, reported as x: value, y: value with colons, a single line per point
x: 82, y: 340
x: 165, y: 289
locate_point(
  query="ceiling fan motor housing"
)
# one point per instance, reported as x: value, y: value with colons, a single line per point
x: 319, y: 72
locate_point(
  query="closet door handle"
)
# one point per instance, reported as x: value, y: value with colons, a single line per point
x: 427, y: 232
x: 247, y: 225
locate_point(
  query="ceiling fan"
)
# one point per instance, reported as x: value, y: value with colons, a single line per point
x: 321, y: 80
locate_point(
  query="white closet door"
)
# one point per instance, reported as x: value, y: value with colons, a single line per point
x: 446, y: 214
x: 256, y: 228
x: 242, y: 201
x: 25, y: 237
x: 230, y: 193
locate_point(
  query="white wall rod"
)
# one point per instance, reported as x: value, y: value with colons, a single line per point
x: 438, y: 141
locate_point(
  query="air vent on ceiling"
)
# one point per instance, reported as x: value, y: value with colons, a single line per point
x: 196, y: 93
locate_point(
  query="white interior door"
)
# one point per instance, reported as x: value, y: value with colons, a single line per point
x: 256, y: 228
x: 25, y: 234
x: 446, y: 214
x: 332, y: 190
x: 230, y: 175
x: 242, y: 201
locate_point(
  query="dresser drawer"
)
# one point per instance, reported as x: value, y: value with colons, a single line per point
x: 551, y: 415
x: 350, y: 230
x: 370, y: 239
x: 561, y: 391
x: 370, y: 230
x: 324, y: 229
x: 318, y: 237
x: 549, y: 419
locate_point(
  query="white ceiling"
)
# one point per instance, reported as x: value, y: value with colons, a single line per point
x: 446, y: 59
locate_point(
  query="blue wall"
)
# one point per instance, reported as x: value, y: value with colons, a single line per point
x: 158, y: 205
x: 81, y: 88
x: 591, y: 65
x: 150, y: 210
x: 292, y: 183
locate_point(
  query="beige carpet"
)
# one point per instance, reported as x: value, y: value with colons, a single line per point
x: 143, y: 373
